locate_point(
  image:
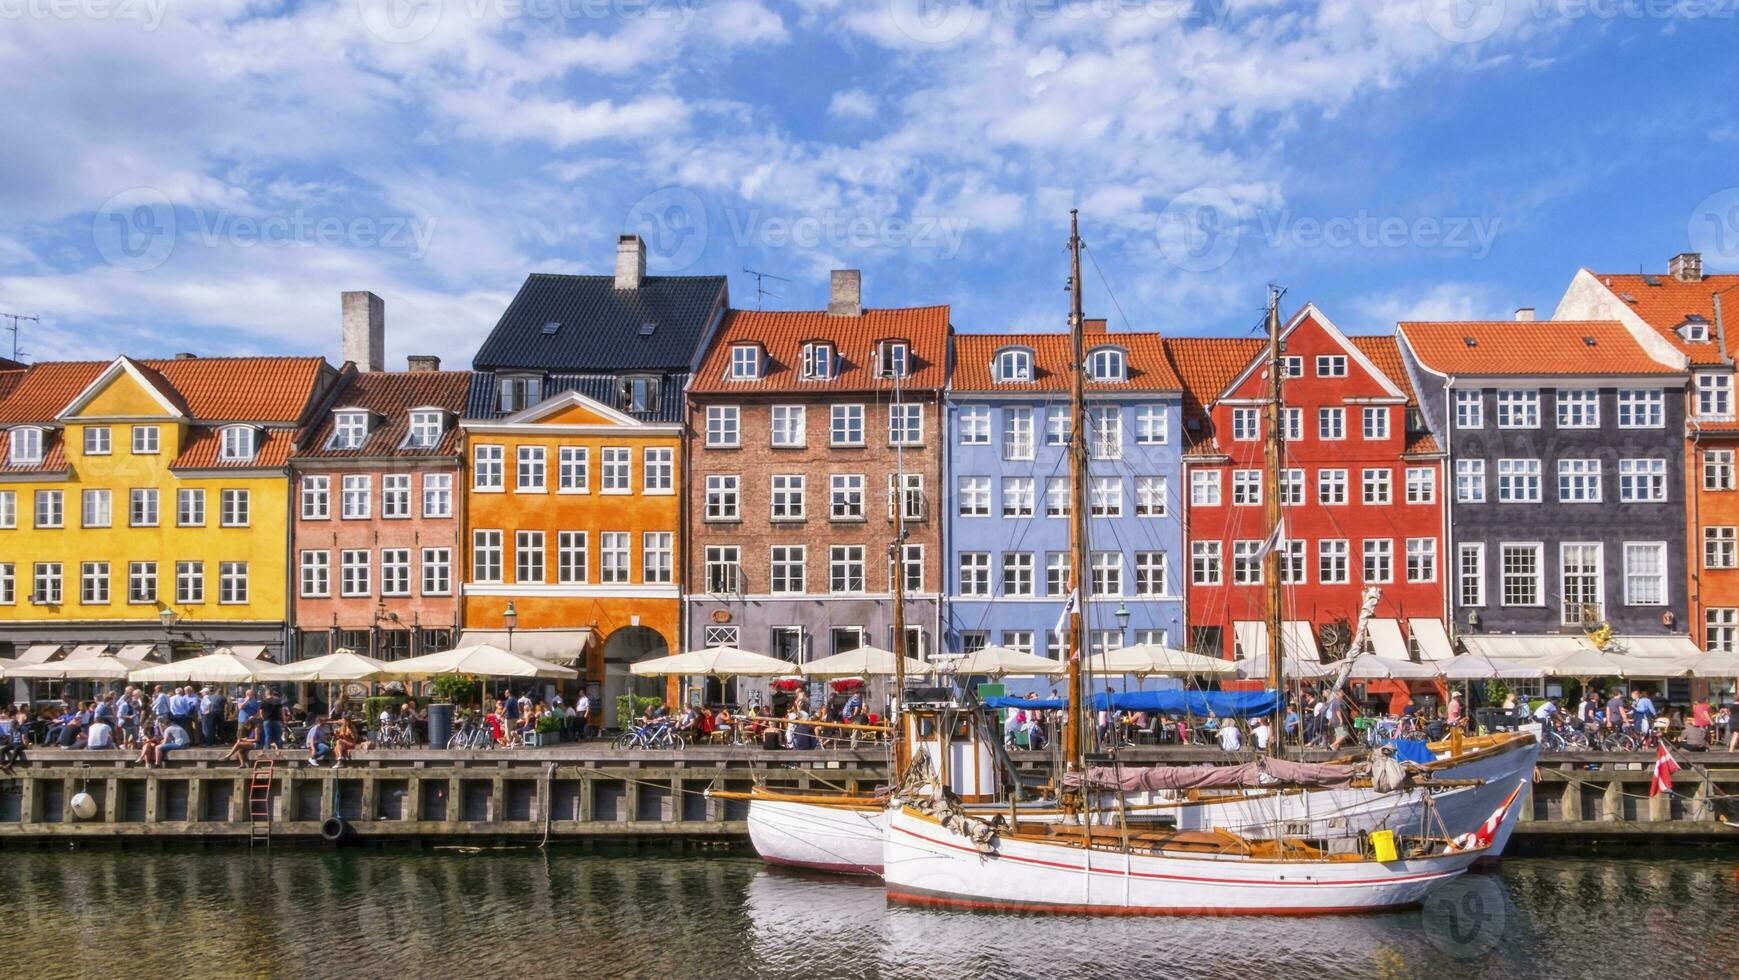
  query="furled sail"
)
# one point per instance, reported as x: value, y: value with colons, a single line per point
x: 1261, y: 772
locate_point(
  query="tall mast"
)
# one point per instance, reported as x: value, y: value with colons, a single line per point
x: 1271, y: 468
x: 897, y: 552
x: 1074, y: 740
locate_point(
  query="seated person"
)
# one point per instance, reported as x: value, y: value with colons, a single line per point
x: 319, y: 741
x: 101, y: 735
x: 174, y: 737
x: 247, y: 738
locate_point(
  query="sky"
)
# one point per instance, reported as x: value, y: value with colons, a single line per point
x: 209, y: 175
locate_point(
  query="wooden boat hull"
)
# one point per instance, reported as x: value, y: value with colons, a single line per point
x: 924, y: 864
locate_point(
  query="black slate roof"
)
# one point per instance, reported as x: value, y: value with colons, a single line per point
x: 601, y: 325
x: 481, y: 402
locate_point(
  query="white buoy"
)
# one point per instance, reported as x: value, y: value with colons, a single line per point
x: 84, y: 806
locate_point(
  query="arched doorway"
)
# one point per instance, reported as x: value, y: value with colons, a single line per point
x: 625, y: 647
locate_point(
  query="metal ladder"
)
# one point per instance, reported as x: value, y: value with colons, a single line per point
x: 260, y: 801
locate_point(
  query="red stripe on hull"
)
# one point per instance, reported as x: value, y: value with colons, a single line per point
x: 927, y: 899
x: 838, y: 869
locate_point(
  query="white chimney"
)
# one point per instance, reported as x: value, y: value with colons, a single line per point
x: 418, y: 363
x: 630, y: 261
x: 845, y: 293
x: 364, y: 338
x: 1686, y: 266
x: 1524, y: 314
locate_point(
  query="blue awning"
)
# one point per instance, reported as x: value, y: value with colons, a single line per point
x: 1219, y: 704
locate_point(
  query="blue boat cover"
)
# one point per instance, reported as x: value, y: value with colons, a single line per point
x: 1411, y: 750
x: 1218, y: 704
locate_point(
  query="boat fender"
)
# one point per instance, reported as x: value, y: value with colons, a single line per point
x: 1387, y: 774
x: 334, y: 829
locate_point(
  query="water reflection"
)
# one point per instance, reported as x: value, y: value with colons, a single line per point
x: 371, y: 913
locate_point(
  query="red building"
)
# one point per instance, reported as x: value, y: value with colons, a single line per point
x: 1360, y: 496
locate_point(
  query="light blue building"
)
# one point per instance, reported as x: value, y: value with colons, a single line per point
x: 1006, y: 472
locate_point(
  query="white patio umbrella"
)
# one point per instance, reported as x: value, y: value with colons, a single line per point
x: 104, y: 668
x: 222, y: 667
x: 480, y: 660
x: 344, y: 665
x: 1479, y: 667
x: 1590, y: 662
x: 1370, y: 667
x: 1712, y: 664
x: 998, y: 662
x: 1152, y: 658
x: 714, y: 662
x: 862, y: 662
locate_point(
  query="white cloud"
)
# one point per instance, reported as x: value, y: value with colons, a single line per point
x: 1430, y: 301
x: 853, y: 103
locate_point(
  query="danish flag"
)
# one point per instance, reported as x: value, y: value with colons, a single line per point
x: 1481, y: 837
x: 1664, y: 767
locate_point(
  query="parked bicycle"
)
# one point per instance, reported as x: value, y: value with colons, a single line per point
x: 659, y: 734
x: 472, y: 734
x: 395, y: 735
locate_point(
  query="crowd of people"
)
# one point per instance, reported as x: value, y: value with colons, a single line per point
x: 791, y: 723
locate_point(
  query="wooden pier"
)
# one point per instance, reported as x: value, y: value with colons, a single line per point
x: 587, y: 792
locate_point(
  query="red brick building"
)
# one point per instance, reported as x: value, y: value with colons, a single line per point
x: 1360, y: 494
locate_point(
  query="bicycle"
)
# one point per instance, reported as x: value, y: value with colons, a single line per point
x: 471, y: 735
x: 656, y: 735
x: 394, y: 735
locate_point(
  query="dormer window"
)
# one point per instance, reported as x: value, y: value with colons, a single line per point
x: 1014, y: 365
x: 349, y: 430
x: 1695, y: 330
x: 818, y: 361
x: 1106, y: 364
x: 520, y: 391
x: 893, y: 359
x: 745, y: 363
x: 26, y: 446
x: 238, y: 444
x: 639, y: 394
x: 426, y: 428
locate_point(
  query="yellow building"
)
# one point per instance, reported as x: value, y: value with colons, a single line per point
x: 147, y: 502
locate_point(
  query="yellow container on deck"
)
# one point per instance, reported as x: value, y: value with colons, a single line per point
x: 1383, y: 842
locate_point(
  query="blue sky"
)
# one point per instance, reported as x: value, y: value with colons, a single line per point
x: 209, y: 175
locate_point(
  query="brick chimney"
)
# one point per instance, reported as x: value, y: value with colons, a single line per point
x: 1686, y: 267
x: 1524, y: 314
x: 845, y: 293
x: 419, y: 363
x: 630, y: 261
x: 364, y: 336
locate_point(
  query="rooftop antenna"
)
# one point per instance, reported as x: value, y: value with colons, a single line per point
x: 17, y: 320
x: 760, y: 287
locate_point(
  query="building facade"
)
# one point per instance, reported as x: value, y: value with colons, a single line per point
x: 377, y: 546
x: 810, y: 432
x: 1008, y: 435
x: 1360, y: 494
x: 573, y: 439
x: 145, y: 503
x: 1566, y: 482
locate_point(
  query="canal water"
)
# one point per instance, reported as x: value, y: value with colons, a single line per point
x: 524, y: 913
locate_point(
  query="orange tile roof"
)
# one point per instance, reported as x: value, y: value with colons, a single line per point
x: 1385, y: 352
x: 783, y: 333
x: 1206, y: 365
x: 275, y: 446
x: 53, y: 455
x: 9, y: 380
x: 255, y: 389
x: 1543, y: 347
x: 1148, y: 368
x: 392, y: 395
x: 1669, y: 302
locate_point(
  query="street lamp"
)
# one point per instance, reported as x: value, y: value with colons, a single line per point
x: 510, y: 619
x: 1122, y: 615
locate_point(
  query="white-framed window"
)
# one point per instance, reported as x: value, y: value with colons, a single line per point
x: 97, y: 510
x: 349, y: 430
x: 788, y: 427
x: 1057, y: 502
x: 1059, y: 425
x: 1421, y: 485
x: 315, y: 574
x: 1151, y: 427
x: 147, y: 440
x: 93, y: 583
x: 1246, y: 488
x: 97, y: 440
x: 353, y: 497
x: 1522, y: 573
x: 529, y: 560
x: 1204, y: 488
x: 395, y: 496
x: 893, y: 359
x: 1017, y: 432
x: 1717, y: 469
x: 1246, y: 567
x: 1292, y: 424
x: 1017, y: 573
x: 395, y: 571
x: 531, y: 472
x: 190, y: 582
x: 1246, y: 424
x: 50, y: 508
x: 142, y: 507
x: 1720, y: 629
x: 487, y: 465
x: 1580, y: 583
x: 1642, y: 480
x: 1331, y: 365
x: 1018, y: 640
x: 1331, y: 423
x: 1292, y: 561
x: 1469, y: 408
x: 1331, y: 487
x: 8, y: 509
x: 190, y: 507
x: 790, y: 569
x: 788, y: 497
x: 615, y: 464
x: 845, y: 497
x: 1470, y: 574
x: 1014, y: 366
x: 722, y: 566
x: 723, y: 497
x: 574, y: 469
x: 745, y: 362
x: 1150, y: 573
x: 817, y: 361
x: 1106, y: 496
x: 1470, y: 481
x: 1645, y: 573
x: 1379, y: 560
x: 437, y: 571
x: 974, y: 496
x: 1292, y: 366
x: 1106, y: 364
x: 974, y: 423
x: 236, y: 443
x: 1720, y: 547
x: 1518, y: 481
x: 426, y: 429
x: 45, y: 583
x: 1291, y: 487
x: 1715, y: 394
x: 355, y: 571
x: 233, y: 508
x: 232, y: 583
x: 1017, y: 496
x: 437, y: 495
x: 1421, y: 559
x: 1107, y: 572
x: 658, y: 557
x: 613, y: 557
x: 1333, y: 561
x: 1057, y: 566
x: 1579, y: 481
x: 658, y: 470
x: 485, y: 555
x: 1518, y: 408
x: 909, y: 498
x: 845, y: 425
x: 1150, y: 496
x: 845, y: 568
x: 1375, y: 423
x: 1376, y: 485
x: 914, y: 567
x: 8, y: 583
x: 571, y: 558
x: 1641, y: 408
x: 905, y: 424
x: 1578, y: 408
x: 724, y: 427
x: 1105, y: 432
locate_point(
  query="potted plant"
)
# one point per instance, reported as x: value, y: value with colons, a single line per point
x: 547, y: 731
